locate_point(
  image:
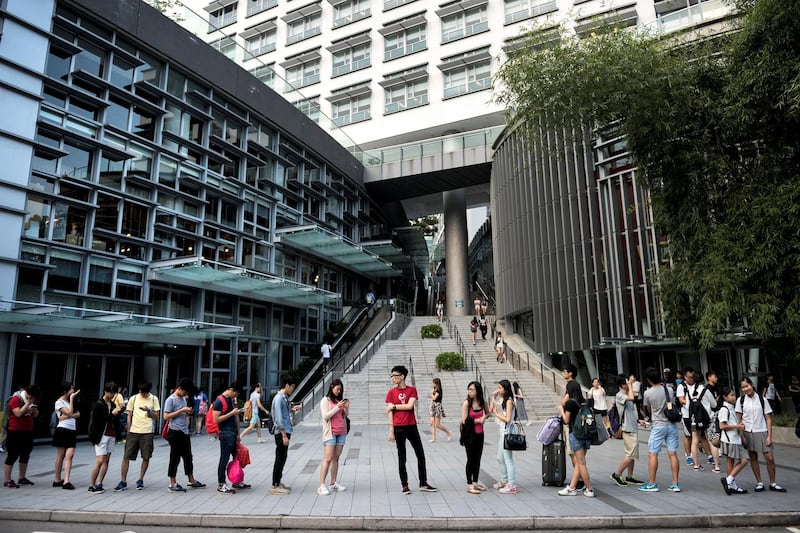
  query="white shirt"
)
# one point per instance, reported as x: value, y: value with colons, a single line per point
x: 599, y: 397
x: 727, y: 414
x: 326, y: 351
x: 754, y: 418
x: 68, y: 423
x: 682, y: 391
x: 770, y: 393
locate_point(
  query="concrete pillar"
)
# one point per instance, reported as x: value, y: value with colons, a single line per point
x: 459, y: 302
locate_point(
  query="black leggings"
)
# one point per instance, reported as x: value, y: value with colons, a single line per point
x: 410, y: 434
x: 474, y: 452
x: 19, y: 445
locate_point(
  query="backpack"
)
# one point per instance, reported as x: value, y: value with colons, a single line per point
x: 550, y: 430
x: 248, y: 410
x: 615, y: 421
x: 584, y: 426
x: 211, y: 427
x: 697, y: 411
x: 672, y: 410
x: 714, y: 433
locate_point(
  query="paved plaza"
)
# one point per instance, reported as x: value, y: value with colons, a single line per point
x: 373, y: 499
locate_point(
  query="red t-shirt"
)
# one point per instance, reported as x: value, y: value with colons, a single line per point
x: 402, y: 396
x: 18, y: 423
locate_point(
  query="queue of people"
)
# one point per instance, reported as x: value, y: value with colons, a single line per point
x: 745, y: 422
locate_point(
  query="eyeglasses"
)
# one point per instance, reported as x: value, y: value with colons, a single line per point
x: 397, y: 375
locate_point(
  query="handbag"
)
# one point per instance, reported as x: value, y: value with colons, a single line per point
x: 235, y: 472
x: 514, y: 439
x: 243, y: 455
x: 165, y: 430
x: 672, y: 410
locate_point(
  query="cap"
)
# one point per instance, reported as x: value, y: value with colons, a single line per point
x: 666, y: 370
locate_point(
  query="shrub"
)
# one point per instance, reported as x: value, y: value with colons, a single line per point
x: 449, y: 361
x: 784, y: 420
x: 431, y: 331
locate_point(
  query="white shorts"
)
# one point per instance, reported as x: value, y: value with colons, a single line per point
x: 105, y: 446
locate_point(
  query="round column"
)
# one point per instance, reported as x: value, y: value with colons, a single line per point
x: 456, y: 246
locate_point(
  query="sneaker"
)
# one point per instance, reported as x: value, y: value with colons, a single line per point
x: 406, y: 490
x: 287, y: 487
x: 261, y: 441
x: 196, y: 485
x: 337, y: 487
x: 589, y: 493
x: 241, y: 485
x: 674, y: 487
x: 11, y: 484
x: 619, y: 480
x: 140, y: 484
x: 711, y: 459
x: 100, y: 486
x: 176, y: 488
x: 120, y: 486
x: 427, y: 488
x: 498, y: 485
x: 225, y: 489
x: 96, y: 489
x: 581, y: 485
x: 699, y: 468
x: 508, y: 489
x: 279, y: 491
x: 24, y: 481
x: 68, y: 486
x: 630, y: 480
x: 568, y: 491
x: 323, y: 490
x: 649, y: 487
x: 689, y: 460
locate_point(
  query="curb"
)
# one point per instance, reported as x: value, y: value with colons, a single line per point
x: 354, y: 523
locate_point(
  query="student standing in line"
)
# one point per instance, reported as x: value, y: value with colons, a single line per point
x: 437, y: 410
x: 334, y: 409
x: 176, y: 414
x: 731, y: 442
x: 400, y: 402
x: 757, y: 418
x: 503, y: 410
x: 474, y: 412
x: 65, y: 436
x: 21, y: 409
x: 143, y: 410
x: 102, y: 433
x: 226, y: 416
x: 281, y: 413
x: 625, y: 404
x: 662, y: 431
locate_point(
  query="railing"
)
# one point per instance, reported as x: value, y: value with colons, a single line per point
x: 392, y: 329
x: 470, y: 363
x: 550, y: 377
x: 691, y: 16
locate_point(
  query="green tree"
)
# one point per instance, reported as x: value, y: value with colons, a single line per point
x: 428, y: 224
x: 712, y: 122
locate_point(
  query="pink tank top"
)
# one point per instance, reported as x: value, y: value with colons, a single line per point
x: 475, y: 414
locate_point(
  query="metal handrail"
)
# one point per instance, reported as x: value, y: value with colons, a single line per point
x: 549, y: 376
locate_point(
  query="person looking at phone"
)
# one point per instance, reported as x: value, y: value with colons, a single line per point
x: 22, y: 409
x: 64, y: 437
x: 226, y: 416
x: 143, y: 410
x: 334, y: 409
x: 281, y: 412
x: 176, y: 414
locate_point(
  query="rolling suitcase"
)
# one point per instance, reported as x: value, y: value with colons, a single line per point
x: 554, y: 464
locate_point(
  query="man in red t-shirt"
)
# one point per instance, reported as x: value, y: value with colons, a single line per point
x: 400, y: 402
x: 21, y: 411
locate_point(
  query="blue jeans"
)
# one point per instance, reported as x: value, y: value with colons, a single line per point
x: 227, y: 450
x: 508, y: 472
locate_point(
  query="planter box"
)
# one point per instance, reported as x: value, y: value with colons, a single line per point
x: 785, y: 436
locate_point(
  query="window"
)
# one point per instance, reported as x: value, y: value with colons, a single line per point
x: 77, y: 163
x: 266, y: 74
x: 405, y: 42
x: 407, y: 96
x: 226, y: 45
x: 350, y: 11
x: 351, y: 59
x: 257, y: 6
x: 304, y: 28
x: 261, y: 43
x: 302, y: 75
x: 310, y: 107
x: 467, y: 73
x: 222, y: 17
x: 464, y: 23
x: 517, y: 10
x: 355, y: 109
x: 391, y: 4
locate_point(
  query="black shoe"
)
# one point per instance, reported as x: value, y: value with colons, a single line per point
x: 725, y: 486
x: 406, y: 490
x: 427, y: 488
x: 24, y: 481
x: 775, y: 487
x: 618, y: 479
x: 58, y: 483
x: 738, y: 490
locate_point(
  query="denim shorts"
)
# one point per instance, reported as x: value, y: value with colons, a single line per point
x: 661, y: 434
x: 577, y: 444
x: 337, y: 440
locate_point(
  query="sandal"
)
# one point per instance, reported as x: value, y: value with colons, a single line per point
x: 716, y: 470
x: 473, y: 490
x: 480, y: 488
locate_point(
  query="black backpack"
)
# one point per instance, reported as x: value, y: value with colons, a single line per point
x: 584, y: 428
x: 672, y: 409
x: 697, y: 411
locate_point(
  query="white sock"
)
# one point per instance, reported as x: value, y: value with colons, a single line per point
x: 730, y: 480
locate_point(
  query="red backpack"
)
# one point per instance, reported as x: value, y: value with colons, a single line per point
x: 211, y: 427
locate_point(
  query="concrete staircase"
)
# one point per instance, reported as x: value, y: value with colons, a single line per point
x: 367, y: 389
